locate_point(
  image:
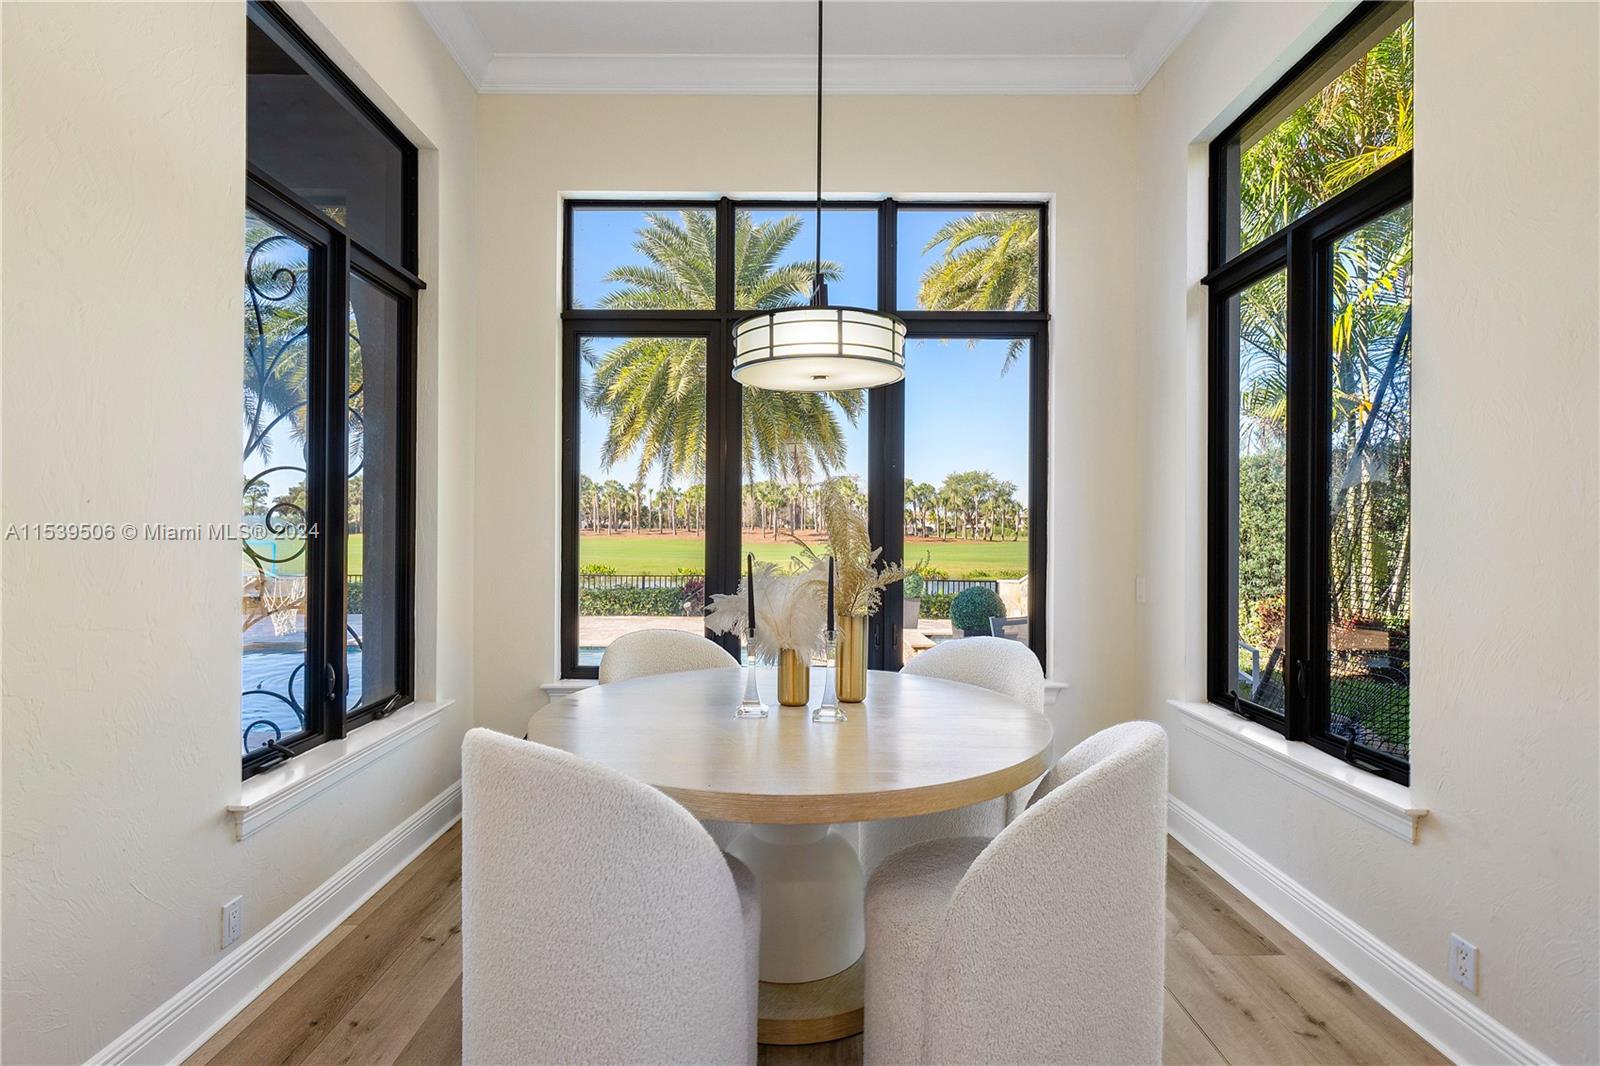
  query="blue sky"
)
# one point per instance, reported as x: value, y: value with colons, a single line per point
x: 961, y: 412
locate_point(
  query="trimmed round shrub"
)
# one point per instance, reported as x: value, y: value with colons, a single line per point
x: 972, y: 608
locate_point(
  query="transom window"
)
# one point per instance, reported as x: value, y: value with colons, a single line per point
x: 329, y: 408
x: 1310, y: 399
x: 673, y: 472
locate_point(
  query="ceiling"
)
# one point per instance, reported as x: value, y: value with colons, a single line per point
x: 769, y: 46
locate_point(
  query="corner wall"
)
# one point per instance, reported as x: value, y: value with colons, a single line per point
x: 124, y: 154
x: 1077, y: 150
x: 1506, y: 531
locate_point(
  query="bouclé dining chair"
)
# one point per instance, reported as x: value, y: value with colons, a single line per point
x: 1002, y: 666
x: 660, y: 651
x: 600, y: 924
x: 647, y: 652
x: 1044, y: 945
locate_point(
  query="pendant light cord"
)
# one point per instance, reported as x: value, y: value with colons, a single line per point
x: 819, y: 292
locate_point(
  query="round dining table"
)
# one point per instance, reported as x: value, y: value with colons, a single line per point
x: 916, y: 745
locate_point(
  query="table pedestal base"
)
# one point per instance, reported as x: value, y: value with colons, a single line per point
x: 814, y: 1012
x: 813, y: 921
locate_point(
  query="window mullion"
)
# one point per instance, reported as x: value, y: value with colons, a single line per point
x: 1303, y: 498
x: 886, y: 448
x: 330, y: 435
x: 724, y: 430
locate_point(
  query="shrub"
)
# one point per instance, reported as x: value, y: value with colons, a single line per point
x: 936, y: 604
x: 630, y: 599
x: 354, y: 599
x: 596, y: 568
x: 693, y: 600
x: 972, y: 608
x: 912, y: 586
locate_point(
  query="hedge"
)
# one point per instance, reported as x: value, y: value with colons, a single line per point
x: 667, y: 602
x: 936, y: 604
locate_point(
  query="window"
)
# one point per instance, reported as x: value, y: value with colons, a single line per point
x: 673, y: 472
x: 329, y: 368
x: 1310, y: 451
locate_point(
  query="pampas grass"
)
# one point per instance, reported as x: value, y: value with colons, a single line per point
x: 790, y: 611
x: 858, y: 579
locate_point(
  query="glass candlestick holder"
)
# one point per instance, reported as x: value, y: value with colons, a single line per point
x: 828, y: 709
x: 750, y: 706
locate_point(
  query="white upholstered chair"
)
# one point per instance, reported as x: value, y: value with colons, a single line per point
x: 646, y: 652
x: 1002, y: 666
x: 600, y: 924
x: 660, y: 651
x: 1045, y: 945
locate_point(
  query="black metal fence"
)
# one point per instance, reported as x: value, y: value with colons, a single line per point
x: 592, y: 582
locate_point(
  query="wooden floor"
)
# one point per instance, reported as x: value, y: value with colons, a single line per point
x: 385, y: 986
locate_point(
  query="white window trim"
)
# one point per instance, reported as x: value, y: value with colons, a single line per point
x: 1386, y: 804
x: 270, y: 795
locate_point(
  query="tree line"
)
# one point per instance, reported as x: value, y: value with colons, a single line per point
x: 966, y: 505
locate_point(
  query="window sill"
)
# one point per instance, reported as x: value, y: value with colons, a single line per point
x: 268, y: 796
x: 1385, y: 804
x: 567, y: 686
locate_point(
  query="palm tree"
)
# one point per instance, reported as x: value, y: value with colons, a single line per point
x: 990, y: 262
x: 653, y: 390
x: 1361, y: 121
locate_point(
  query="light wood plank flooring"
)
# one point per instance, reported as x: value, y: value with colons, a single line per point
x: 385, y: 987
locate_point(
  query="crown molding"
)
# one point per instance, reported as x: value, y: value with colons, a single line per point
x: 1161, y: 38
x: 453, y: 26
x: 795, y: 74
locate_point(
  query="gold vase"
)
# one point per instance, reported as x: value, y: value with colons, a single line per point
x: 794, y: 679
x: 852, y: 652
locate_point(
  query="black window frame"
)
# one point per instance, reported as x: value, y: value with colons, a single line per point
x: 334, y: 259
x: 1303, y: 250
x: 724, y: 402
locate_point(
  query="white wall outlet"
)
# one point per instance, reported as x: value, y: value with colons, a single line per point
x: 1463, y: 963
x: 1140, y: 590
x: 232, y: 920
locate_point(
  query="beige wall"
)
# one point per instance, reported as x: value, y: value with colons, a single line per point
x: 120, y: 676
x: 123, y: 212
x: 1076, y: 150
x: 1505, y: 522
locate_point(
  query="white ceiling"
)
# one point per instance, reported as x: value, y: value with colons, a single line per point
x: 769, y: 46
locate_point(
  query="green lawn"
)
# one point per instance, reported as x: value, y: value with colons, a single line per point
x: 295, y: 567
x: 662, y: 554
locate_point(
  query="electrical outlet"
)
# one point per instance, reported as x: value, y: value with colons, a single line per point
x: 1463, y: 963
x: 232, y: 920
x: 1140, y: 590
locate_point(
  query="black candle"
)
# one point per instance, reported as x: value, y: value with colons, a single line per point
x: 830, y: 594
x: 750, y: 588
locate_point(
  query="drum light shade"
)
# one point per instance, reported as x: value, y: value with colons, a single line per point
x: 819, y: 349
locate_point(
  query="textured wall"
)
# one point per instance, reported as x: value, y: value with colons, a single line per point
x: 1505, y: 523
x: 123, y: 214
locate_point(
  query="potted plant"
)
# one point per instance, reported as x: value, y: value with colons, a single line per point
x: 971, y: 610
x: 911, y: 590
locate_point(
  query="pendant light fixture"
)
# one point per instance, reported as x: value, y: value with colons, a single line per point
x: 818, y: 348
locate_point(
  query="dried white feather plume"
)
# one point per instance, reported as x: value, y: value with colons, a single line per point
x: 790, y: 611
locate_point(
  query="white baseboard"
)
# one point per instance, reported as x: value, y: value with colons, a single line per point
x: 1459, y: 1029
x: 179, y: 1026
